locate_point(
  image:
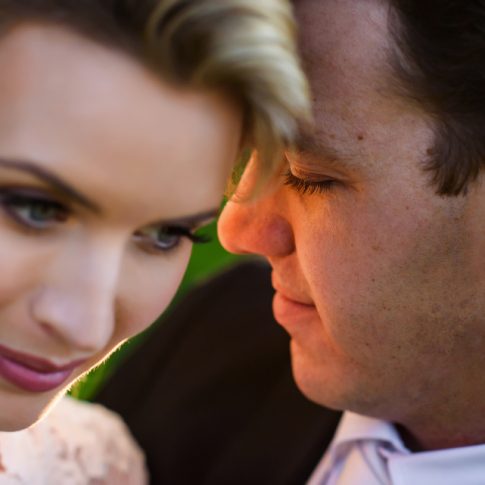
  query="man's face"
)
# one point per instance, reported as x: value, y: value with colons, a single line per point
x: 379, y: 281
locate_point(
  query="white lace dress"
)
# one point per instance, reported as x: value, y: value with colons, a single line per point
x: 76, y: 444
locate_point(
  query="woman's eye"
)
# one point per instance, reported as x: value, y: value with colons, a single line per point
x: 164, y: 238
x: 308, y: 186
x: 34, y: 211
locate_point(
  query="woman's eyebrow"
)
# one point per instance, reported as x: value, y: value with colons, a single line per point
x: 51, y: 179
x: 193, y: 219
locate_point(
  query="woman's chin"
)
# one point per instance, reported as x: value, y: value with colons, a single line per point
x: 19, y: 420
x: 21, y: 409
x: 18, y: 413
x: 17, y: 424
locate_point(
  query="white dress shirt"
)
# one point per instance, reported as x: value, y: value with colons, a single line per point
x: 367, y: 451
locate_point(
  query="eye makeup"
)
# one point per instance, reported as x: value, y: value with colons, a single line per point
x: 32, y: 209
x: 163, y: 238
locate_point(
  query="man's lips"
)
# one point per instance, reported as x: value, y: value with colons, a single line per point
x: 33, y: 373
x: 300, y: 300
x: 289, y: 311
x: 288, y: 293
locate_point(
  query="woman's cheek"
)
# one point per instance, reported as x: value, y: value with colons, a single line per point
x: 146, y: 296
x: 19, y: 272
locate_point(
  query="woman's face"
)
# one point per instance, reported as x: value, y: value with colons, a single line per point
x: 105, y: 173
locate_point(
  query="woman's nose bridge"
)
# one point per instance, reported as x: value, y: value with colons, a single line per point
x: 78, y: 301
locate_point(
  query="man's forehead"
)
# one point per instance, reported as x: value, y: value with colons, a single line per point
x: 342, y: 30
x: 324, y: 147
x: 345, y: 49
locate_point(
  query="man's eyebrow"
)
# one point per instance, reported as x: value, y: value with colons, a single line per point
x: 193, y: 219
x: 318, y: 146
x: 51, y: 179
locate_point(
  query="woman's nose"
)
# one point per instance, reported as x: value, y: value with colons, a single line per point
x: 258, y: 226
x: 77, y: 302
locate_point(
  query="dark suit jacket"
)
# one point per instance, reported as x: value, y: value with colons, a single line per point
x: 210, y: 396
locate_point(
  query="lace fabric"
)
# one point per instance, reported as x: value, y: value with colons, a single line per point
x: 76, y: 444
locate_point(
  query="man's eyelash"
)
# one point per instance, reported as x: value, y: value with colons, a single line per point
x: 306, y: 186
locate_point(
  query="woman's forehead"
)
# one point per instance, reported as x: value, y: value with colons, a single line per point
x: 108, y: 125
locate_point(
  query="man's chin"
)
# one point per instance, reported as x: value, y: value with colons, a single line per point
x: 309, y: 377
x: 339, y: 391
x: 321, y: 384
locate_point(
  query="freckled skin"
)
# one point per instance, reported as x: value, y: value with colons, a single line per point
x: 396, y: 273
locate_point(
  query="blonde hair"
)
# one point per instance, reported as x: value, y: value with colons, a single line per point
x: 245, y: 47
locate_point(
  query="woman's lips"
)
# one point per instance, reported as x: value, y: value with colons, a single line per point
x: 32, y: 373
x: 290, y: 312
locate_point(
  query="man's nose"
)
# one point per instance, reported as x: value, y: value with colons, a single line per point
x: 259, y: 226
x: 77, y: 302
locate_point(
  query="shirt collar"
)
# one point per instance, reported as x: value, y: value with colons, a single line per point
x: 464, y: 465
x: 353, y: 427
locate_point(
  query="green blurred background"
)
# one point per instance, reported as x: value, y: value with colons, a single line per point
x: 207, y: 259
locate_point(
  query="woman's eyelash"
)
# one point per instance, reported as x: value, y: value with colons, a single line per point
x: 32, y: 209
x: 307, y: 186
x: 189, y: 234
x: 36, y: 211
x: 164, y: 238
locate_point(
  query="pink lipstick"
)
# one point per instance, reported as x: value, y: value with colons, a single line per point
x: 32, y: 373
